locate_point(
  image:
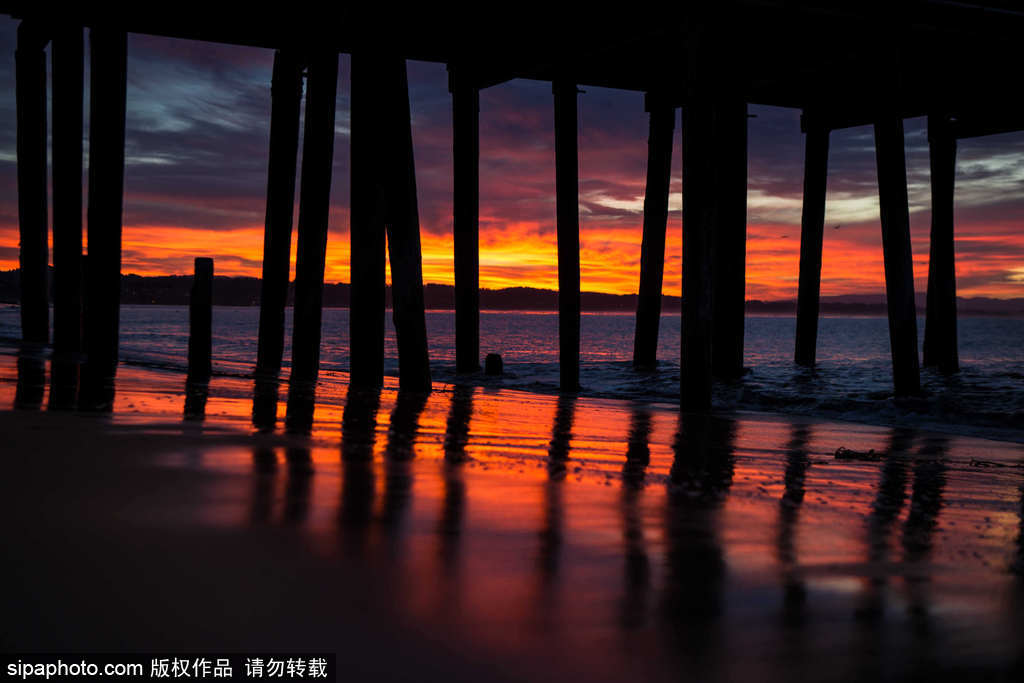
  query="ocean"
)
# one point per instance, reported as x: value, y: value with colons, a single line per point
x: 852, y: 380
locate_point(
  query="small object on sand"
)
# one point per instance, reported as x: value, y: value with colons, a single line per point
x: 843, y: 453
x: 493, y: 364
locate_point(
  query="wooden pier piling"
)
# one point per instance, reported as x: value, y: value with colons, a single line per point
x: 108, y: 79
x: 367, y: 230
x: 466, y: 218
x: 403, y: 233
x: 286, y: 97
x: 729, y: 238
x: 698, y: 223
x: 940, y: 330
x: 67, y: 51
x: 899, y: 268
x: 568, y: 228
x: 30, y: 74
x: 200, y: 318
x: 314, y: 210
x: 652, y: 250
x: 812, y: 226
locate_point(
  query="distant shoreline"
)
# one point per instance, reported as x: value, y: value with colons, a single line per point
x: 173, y: 290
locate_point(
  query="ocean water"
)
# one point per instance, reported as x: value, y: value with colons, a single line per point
x: 852, y: 380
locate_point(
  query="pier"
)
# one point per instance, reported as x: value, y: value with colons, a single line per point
x: 710, y: 60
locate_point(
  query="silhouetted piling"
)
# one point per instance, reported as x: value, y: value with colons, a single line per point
x: 300, y: 407
x: 698, y: 223
x: 200, y: 318
x: 31, y: 384
x: 196, y: 395
x: 812, y: 226
x: 652, y: 249
x: 367, y: 230
x: 729, y: 238
x: 67, y: 49
x: 314, y: 210
x: 264, y: 403
x: 899, y: 267
x: 106, y: 193
x: 403, y: 231
x: 940, y: 334
x: 30, y: 65
x: 466, y: 219
x: 568, y: 217
x: 286, y: 97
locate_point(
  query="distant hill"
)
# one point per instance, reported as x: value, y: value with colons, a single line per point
x: 173, y: 290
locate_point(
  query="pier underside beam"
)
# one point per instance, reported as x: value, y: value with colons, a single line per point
x: 899, y: 272
x: 286, y: 96
x: 812, y: 226
x: 652, y: 250
x: 940, y: 330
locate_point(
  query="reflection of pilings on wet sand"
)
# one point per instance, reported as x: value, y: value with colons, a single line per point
x: 398, y: 453
x: 794, y: 593
x: 637, y: 563
x: 1018, y: 565
x: 301, y: 403
x: 699, y: 482
x: 196, y: 394
x: 925, y: 505
x: 264, y: 476
x: 885, y: 509
x: 299, y: 486
x: 63, y: 382
x: 890, y: 498
x: 359, y: 423
x: 558, y: 456
x: 28, y: 394
x: 264, y: 403
x: 358, y: 436
x: 456, y: 436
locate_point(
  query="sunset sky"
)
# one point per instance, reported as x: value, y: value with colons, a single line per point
x: 197, y: 143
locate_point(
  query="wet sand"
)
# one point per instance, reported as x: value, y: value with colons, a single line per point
x: 500, y: 535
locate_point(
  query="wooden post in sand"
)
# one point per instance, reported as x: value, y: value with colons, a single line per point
x: 466, y: 217
x: 367, y: 255
x: 812, y: 226
x: 67, y: 49
x: 200, y: 317
x: 403, y: 231
x: 698, y: 222
x: 652, y: 250
x: 30, y: 68
x: 729, y: 238
x: 108, y: 82
x: 286, y: 97
x: 568, y: 228
x: 314, y: 210
x: 897, y: 256
x: 940, y: 335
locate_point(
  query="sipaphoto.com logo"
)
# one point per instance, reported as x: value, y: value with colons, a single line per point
x: 61, y: 669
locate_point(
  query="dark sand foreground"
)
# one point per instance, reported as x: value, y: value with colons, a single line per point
x: 476, y: 535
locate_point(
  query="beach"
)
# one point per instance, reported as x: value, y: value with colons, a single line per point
x: 478, y: 533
